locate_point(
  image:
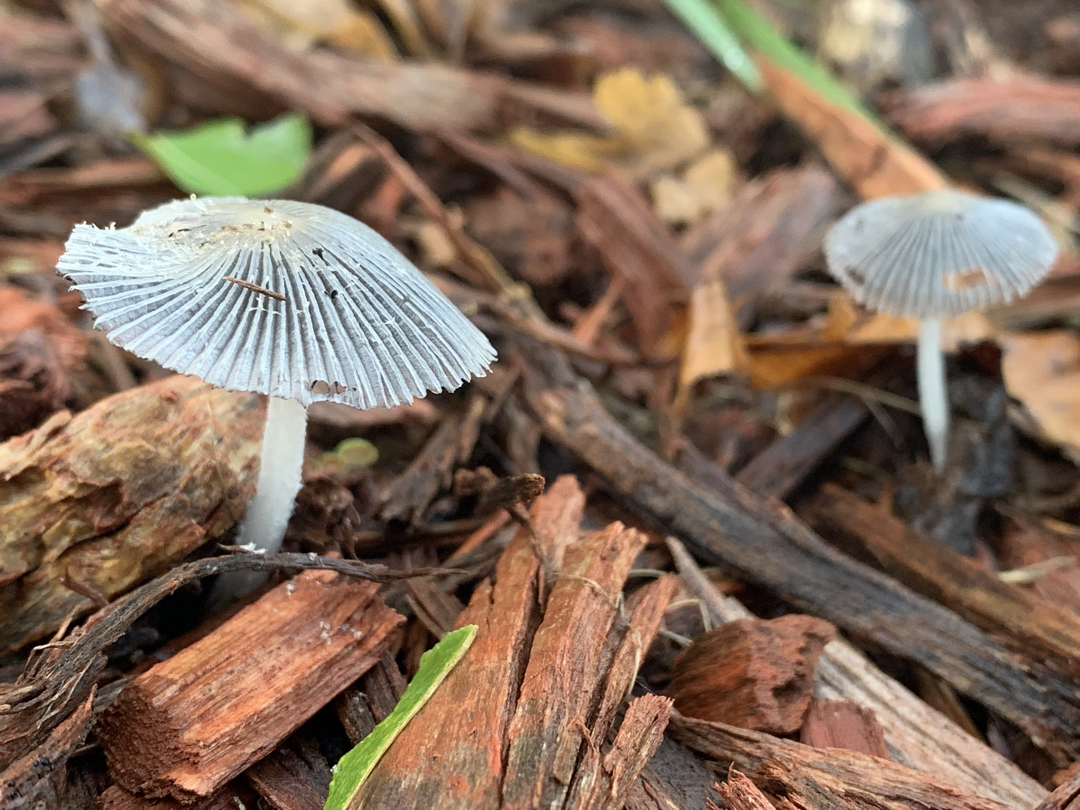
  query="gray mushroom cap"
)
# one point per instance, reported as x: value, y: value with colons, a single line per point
x: 938, y: 254
x: 349, y: 319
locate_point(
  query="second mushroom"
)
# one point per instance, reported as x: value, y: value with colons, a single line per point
x: 932, y: 256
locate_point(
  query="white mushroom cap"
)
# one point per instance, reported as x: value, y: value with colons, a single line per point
x: 938, y: 254
x: 358, y: 323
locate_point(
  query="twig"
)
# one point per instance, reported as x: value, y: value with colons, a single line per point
x: 247, y: 285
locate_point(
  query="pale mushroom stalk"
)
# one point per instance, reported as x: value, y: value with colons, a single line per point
x: 280, y: 467
x: 933, y: 395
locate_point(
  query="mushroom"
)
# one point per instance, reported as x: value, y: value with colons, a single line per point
x: 932, y: 256
x: 288, y: 299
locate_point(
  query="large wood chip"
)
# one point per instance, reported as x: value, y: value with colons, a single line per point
x: 92, y: 505
x: 191, y: 723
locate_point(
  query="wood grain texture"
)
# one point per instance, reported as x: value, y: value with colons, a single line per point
x: 193, y: 722
x: 116, y: 494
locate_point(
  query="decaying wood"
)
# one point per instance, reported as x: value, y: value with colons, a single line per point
x: 822, y: 778
x: 523, y: 720
x: 116, y: 798
x: 116, y: 494
x: 195, y: 721
x: 38, y: 778
x: 751, y: 673
x: 228, y: 53
x: 766, y: 544
x: 916, y: 734
x: 672, y: 780
x: 741, y: 794
x: 782, y: 466
x: 842, y: 724
x: 1018, y: 618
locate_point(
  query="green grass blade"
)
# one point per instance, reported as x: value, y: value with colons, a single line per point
x: 435, y: 665
x: 701, y: 18
x: 219, y: 159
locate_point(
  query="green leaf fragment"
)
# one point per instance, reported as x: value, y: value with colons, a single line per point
x: 716, y: 35
x: 435, y: 665
x: 218, y: 158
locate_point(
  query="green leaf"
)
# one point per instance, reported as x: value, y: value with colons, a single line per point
x: 356, y: 765
x: 219, y: 159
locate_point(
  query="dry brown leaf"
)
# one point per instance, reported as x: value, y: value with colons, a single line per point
x: 1042, y: 370
x: 713, y: 343
x: 655, y: 129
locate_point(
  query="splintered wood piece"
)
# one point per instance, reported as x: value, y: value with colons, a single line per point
x: 841, y: 724
x: 768, y: 545
x: 742, y: 794
x: 751, y: 673
x: 524, y: 720
x: 1017, y: 617
x: 191, y: 723
x: 559, y: 683
x: 640, y: 734
x: 39, y: 778
x: 917, y: 735
x: 673, y: 779
x: 450, y: 755
x: 1066, y: 797
x: 113, y: 496
x: 823, y: 778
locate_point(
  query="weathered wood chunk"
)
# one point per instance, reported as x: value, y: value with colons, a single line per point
x: 191, y: 723
x: 751, y: 673
x: 840, y: 724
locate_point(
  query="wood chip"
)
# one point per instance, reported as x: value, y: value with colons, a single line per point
x: 197, y: 720
x: 841, y: 724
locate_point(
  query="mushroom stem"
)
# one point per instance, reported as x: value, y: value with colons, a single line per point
x: 280, y: 466
x: 933, y: 398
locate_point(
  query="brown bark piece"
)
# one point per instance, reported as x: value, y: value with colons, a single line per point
x: 765, y: 234
x: 639, y: 736
x: 766, y: 544
x: 615, y: 219
x: 116, y: 798
x: 450, y: 755
x: 433, y: 468
x: 1066, y: 797
x: 916, y: 734
x: 1025, y: 543
x: 294, y: 777
x: 557, y: 689
x: 1017, y: 617
x: 673, y: 779
x: 781, y: 467
x: 195, y: 721
x: 751, y: 673
x: 842, y: 724
x: 828, y: 779
x: 216, y: 44
x: 38, y: 779
x: 114, y: 495
x: 742, y: 794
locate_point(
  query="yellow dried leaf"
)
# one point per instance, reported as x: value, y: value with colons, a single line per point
x: 674, y: 201
x: 652, y: 116
x: 704, y: 187
x: 1042, y: 370
x: 655, y: 129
